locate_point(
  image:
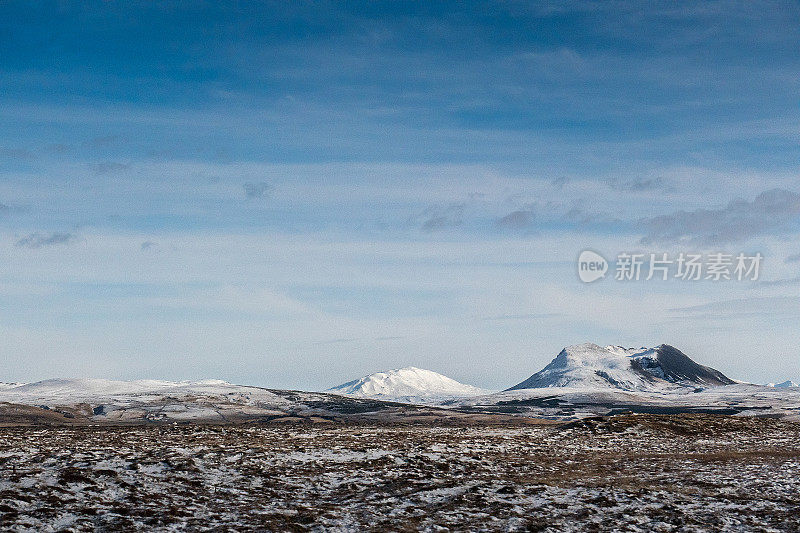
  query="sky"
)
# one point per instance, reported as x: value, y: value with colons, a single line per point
x: 297, y: 194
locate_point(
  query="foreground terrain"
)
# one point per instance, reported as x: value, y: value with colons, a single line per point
x: 629, y: 473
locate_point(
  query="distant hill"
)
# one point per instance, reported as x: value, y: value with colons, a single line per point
x: 410, y: 384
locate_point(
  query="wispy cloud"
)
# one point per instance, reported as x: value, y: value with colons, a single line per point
x: 774, y: 211
x: 256, y: 190
x: 439, y: 218
x: 334, y: 341
x: 516, y: 220
x: 528, y: 316
x: 102, y: 141
x: 39, y: 240
x: 109, y: 167
x: 640, y: 184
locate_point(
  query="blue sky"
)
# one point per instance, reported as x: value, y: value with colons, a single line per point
x: 297, y: 194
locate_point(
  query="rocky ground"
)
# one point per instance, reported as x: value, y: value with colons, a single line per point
x: 625, y: 473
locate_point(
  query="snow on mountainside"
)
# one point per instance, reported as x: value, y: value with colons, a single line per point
x: 144, y: 398
x: 81, y: 401
x: 408, y: 384
x: 784, y: 385
x: 70, y: 391
x: 590, y: 366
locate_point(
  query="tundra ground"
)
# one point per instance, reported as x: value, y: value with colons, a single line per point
x: 624, y: 473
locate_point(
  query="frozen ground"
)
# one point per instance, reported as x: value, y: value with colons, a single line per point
x: 625, y: 473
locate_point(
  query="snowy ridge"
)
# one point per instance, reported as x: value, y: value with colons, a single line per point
x: 105, y: 400
x: 68, y: 391
x: 410, y: 384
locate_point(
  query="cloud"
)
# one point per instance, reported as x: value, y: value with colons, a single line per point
x: 438, y: 223
x: 256, y: 190
x: 58, y: 148
x: 793, y: 259
x: 437, y: 218
x: 102, y: 141
x: 551, y: 212
x: 39, y: 240
x: 109, y: 167
x: 580, y: 215
x: 771, y: 212
x: 334, y: 341
x: 527, y: 316
x: 639, y: 184
x: 519, y: 219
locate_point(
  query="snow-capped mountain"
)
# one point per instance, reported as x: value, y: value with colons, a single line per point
x: 410, y: 384
x: 784, y: 385
x: 644, y: 369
